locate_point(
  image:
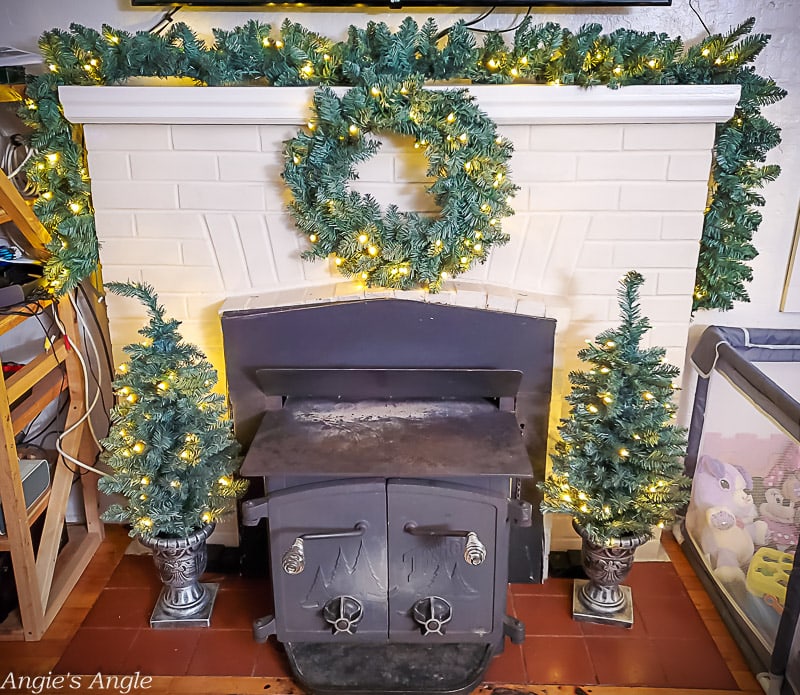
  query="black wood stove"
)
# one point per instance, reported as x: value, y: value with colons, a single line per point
x: 392, y: 466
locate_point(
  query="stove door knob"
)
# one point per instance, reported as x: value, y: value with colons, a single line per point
x: 294, y: 559
x: 343, y: 613
x: 432, y: 613
x: 474, y: 550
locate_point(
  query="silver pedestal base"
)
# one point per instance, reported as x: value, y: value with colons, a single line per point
x: 160, y: 619
x: 621, y: 618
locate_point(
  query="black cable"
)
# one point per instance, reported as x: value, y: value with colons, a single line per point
x: 692, y: 8
x: 505, y: 31
x: 25, y: 436
x: 480, y: 18
x: 16, y: 309
x: 165, y: 21
x: 36, y: 315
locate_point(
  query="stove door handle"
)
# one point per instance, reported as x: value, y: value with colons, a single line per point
x: 294, y: 559
x: 474, y: 549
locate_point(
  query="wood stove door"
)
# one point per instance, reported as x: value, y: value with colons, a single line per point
x: 435, y: 593
x: 334, y: 588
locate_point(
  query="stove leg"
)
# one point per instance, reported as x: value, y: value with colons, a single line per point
x: 514, y: 629
x: 263, y: 628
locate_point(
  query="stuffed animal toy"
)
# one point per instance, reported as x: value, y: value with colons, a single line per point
x: 722, y: 518
x: 791, y: 487
x: 782, y: 493
x: 778, y: 513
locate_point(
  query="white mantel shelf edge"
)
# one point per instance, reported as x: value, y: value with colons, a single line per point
x: 505, y: 104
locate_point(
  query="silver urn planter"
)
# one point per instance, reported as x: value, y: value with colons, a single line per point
x: 184, y: 601
x: 600, y: 598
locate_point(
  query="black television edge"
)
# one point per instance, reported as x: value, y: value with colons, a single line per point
x: 399, y: 4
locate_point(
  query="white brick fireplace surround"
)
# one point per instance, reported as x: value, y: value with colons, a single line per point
x: 188, y: 196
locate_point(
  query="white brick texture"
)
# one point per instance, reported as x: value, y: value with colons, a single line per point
x: 228, y: 249
x: 575, y: 196
x: 273, y: 137
x: 671, y: 136
x: 679, y: 282
x: 112, y: 224
x: 671, y: 254
x: 142, y: 252
x: 173, y: 166
x: 179, y: 225
x: 199, y: 211
x: 249, y: 166
x: 216, y: 138
x: 126, y: 137
x: 624, y: 166
x: 221, y: 196
x: 662, y: 196
x: 575, y: 138
x: 410, y: 166
x: 682, y: 226
x: 109, y: 166
x: 183, y: 279
x: 689, y: 166
x: 134, y: 195
x: 543, y: 166
x: 625, y: 226
x: 258, y: 257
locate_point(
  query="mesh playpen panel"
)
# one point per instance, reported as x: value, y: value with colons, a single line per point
x: 743, y: 521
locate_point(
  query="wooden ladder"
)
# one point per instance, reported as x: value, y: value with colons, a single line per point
x: 46, y: 577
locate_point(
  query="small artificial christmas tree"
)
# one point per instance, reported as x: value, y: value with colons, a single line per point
x: 618, y: 467
x: 170, y: 446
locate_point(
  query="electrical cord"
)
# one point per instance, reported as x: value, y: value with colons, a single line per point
x: 12, y: 175
x: 505, y: 31
x: 26, y: 437
x: 12, y: 164
x: 106, y: 350
x: 87, y: 415
x: 87, y: 364
x: 98, y: 383
x: 692, y: 8
x: 472, y: 22
x: 166, y: 20
x: 27, y: 313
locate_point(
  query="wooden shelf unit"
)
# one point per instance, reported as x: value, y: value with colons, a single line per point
x: 46, y: 577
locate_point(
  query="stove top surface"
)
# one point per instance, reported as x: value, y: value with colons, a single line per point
x: 387, y: 438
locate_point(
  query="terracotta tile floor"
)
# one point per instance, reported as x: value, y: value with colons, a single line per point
x: 668, y: 647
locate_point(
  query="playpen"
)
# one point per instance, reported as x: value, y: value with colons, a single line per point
x: 743, y: 521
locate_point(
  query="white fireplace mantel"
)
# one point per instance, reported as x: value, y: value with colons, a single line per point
x: 505, y: 104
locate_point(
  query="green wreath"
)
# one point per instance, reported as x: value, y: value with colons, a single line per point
x: 396, y: 249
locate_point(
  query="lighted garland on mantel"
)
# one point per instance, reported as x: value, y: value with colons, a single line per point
x: 544, y: 53
x: 398, y: 249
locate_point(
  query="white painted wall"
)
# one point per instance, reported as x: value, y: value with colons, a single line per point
x: 21, y: 22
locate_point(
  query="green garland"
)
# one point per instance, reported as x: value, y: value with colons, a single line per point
x: 544, y: 53
x: 400, y: 249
